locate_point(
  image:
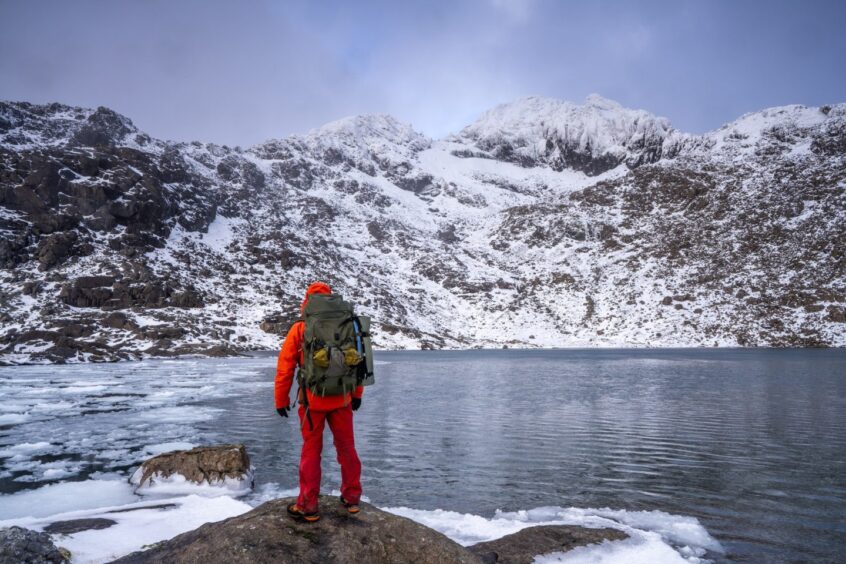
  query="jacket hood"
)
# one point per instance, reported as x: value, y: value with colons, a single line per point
x: 315, y: 288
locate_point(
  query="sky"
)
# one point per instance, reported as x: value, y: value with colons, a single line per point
x: 242, y: 71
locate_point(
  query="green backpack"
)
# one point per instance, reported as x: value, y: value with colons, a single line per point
x: 337, y: 353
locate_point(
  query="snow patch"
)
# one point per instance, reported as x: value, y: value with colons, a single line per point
x: 54, y: 499
x: 221, y: 233
x: 669, y: 538
x: 177, y: 484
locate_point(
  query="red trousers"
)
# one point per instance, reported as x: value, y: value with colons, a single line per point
x: 341, y: 424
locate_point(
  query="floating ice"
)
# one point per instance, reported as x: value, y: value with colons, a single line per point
x: 26, y: 450
x: 167, y: 447
x: 63, y: 497
x: 127, y: 414
x: 655, y: 536
x: 13, y: 418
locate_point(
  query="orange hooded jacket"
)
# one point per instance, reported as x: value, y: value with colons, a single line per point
x: 291, y: 355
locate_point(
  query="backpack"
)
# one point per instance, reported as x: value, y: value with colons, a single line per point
x: 337, y: 352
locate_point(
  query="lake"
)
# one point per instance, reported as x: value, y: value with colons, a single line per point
x: 751, y: 443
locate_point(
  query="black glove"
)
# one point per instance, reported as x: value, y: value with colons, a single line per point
x: 283, y: 411
x: 356, y: 403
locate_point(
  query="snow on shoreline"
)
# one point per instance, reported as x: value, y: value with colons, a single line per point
x: 655, y: 536
x: 138, y: 524
x: 158, y: 484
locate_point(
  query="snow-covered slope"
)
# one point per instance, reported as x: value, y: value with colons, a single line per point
x: 593, y: 137
x: 544, y: 223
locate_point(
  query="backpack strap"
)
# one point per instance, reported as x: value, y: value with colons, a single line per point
x: 302, y: 392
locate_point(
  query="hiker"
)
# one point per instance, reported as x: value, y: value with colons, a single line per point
x: 330, y: 346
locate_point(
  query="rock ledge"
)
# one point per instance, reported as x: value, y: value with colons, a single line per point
x: 269, y: 534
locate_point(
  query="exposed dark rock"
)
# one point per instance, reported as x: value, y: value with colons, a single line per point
x: 447, y: 235
x: 78, y: 525
x: 836, y: 314
x: 277, y: 324
x: 523, y: 546
x: 157, y: 332
x: 22, y: 546
x: 94, y: 281
x: 269, y: 534
x: 103, y: 127
x: 145, y: 508
x: 187, y: 298
x: 56, y: 248
x: 118, y: 320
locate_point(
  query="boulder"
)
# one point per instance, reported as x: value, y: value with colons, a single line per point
x: 56, y: 248
x: 21, y: 545
x: 94, y: 281
x: 212, y: 465
x: 274, y: 326
x: 269, y: 534
x: 188, y: 298
x: 118, y: 320
x: 836, y: 314
x: 523, y: 546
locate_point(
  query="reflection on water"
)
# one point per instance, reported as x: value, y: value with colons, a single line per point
x: 749, y: 441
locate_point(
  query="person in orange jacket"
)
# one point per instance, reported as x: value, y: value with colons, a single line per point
x: 336, y: 410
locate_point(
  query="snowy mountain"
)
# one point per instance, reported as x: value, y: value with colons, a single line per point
x: 591, y: 138
x: 544, y: 223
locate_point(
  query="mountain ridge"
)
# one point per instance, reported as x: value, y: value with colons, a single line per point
x: 119, y: 245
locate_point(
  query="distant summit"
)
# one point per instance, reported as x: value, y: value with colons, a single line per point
x: 592, y: 137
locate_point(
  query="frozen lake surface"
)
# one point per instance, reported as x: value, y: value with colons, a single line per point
x: 699, y: 454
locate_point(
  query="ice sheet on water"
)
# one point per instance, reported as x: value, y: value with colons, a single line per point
x: 655, y: 536
x: 109, y: 422
x: 27, y: 449
x: 138, y: 524
x: 13, y: 418
x: 53, y: 499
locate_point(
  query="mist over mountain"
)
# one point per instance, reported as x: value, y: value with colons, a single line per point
x: 542, y: 224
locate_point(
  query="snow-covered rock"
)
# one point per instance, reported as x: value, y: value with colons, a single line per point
x: 543, y: 223
x: 593, y: 137
x: 210, y: 470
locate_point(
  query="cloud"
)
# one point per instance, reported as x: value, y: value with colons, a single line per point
x: 518, y: 11
x: 240, y: 72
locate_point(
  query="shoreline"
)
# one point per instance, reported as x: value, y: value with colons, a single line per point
x: 270, y: 352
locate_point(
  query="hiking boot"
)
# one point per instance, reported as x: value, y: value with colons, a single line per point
x: 351, y: 507
x: 301, y: 515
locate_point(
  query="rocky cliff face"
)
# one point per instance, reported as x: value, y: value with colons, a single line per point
x: 544, y: 223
